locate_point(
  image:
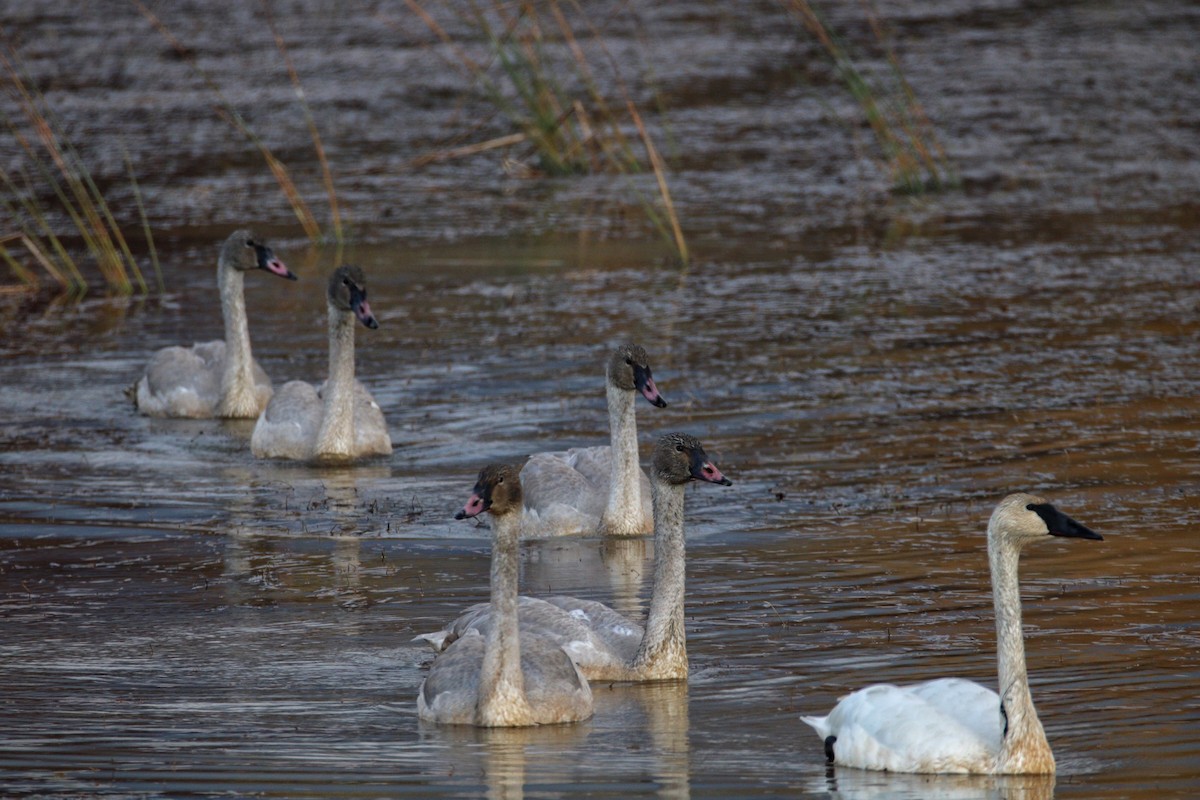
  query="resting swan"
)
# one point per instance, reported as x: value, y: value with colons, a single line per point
x: 956, y: 725
x: 605, y: 644
x: 597, y: 489
x: 220, y: 378
x: 341, y: 421
x: 508, y: 677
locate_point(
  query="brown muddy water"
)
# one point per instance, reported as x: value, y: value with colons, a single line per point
x: 873, y: 372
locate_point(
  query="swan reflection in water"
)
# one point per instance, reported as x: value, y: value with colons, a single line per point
x: 644, y: 726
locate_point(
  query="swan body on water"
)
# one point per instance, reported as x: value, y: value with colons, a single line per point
x: 340, y: 421
x: 597, y: 489
x: 219, y: 378
x: 607, y: 645
x: 505, y: 677
x: 954, y: 725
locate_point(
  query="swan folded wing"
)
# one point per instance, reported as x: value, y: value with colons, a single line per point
x: 593, y: 463
x: 450, y: 692
x: 565, y: 621
x: 620, y: 636
x: 288, y: 426
x: 554, y: 688
x: 183, y: 381
x: 975, y: 707
x: 549, y: 480
x: 891, y: 728
x: 371, y: 435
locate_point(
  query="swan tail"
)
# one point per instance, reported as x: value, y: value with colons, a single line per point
x: 438, y: 640
x: 818, y: 724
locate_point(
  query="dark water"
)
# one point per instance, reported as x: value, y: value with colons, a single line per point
x: 873, y: 372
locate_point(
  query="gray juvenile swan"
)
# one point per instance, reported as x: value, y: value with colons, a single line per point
x: 597, y: 489
x: 605, y: 644
x: 341, y: 421
x: 507, y: 677
x: 221, y: 378
x: 954, y: 725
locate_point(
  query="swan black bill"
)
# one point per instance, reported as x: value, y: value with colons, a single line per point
x: 1059, y: 524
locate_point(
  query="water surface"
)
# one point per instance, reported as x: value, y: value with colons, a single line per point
x: 873, y: 373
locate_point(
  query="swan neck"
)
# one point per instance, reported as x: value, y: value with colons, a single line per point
x: 237, y: 381
x: 336, y: 436
x: 502, y: 684
x: 663, y: 652
x: 1024, y: 747
x: 623, y: 512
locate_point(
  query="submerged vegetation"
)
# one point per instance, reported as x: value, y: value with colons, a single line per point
x: 912, y: 155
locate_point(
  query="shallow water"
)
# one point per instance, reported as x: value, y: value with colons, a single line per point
x: 178, y: 618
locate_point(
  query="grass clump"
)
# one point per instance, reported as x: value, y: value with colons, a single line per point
x: 229, y: 112
x: 539, y: 78
x: 53, y: 162
x: 912, y: 154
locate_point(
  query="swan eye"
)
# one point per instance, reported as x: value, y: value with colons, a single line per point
x: 500, y: 480
x: 629, y: 361
x: 251, y: 243
x: 678, y: 448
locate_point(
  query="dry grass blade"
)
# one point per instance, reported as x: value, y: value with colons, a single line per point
x: 664, y: 191
x: 303, y: 214
x: 318, y: 147
x: 137, y: 196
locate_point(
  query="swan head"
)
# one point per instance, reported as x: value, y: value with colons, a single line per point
x: 244, y: 251
x: 497, y: 490
x: 1022, y: 518
x: 629, y: 369
x: 348, y: 292
x: 679, y: 458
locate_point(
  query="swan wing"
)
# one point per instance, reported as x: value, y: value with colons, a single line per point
x: 554, y: 688
x: 595, y: 637
x: 621, y: 636
x: 371, y: 437
x: 450, y: 692
x: 974, y: 706
x: 593, y: 463
x: 288, y: 426
x: 183, y: 381
x: 552, y: 486
x: 894, y: 728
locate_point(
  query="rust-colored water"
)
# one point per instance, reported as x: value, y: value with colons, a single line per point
x: 177, y: 618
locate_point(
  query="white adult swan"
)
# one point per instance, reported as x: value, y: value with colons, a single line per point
x: 956, y: 725
x: 605, y: 644
x: 341, y: 421
x: 508, y: 677
x: 221, y: 378
x: 597, y: 489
